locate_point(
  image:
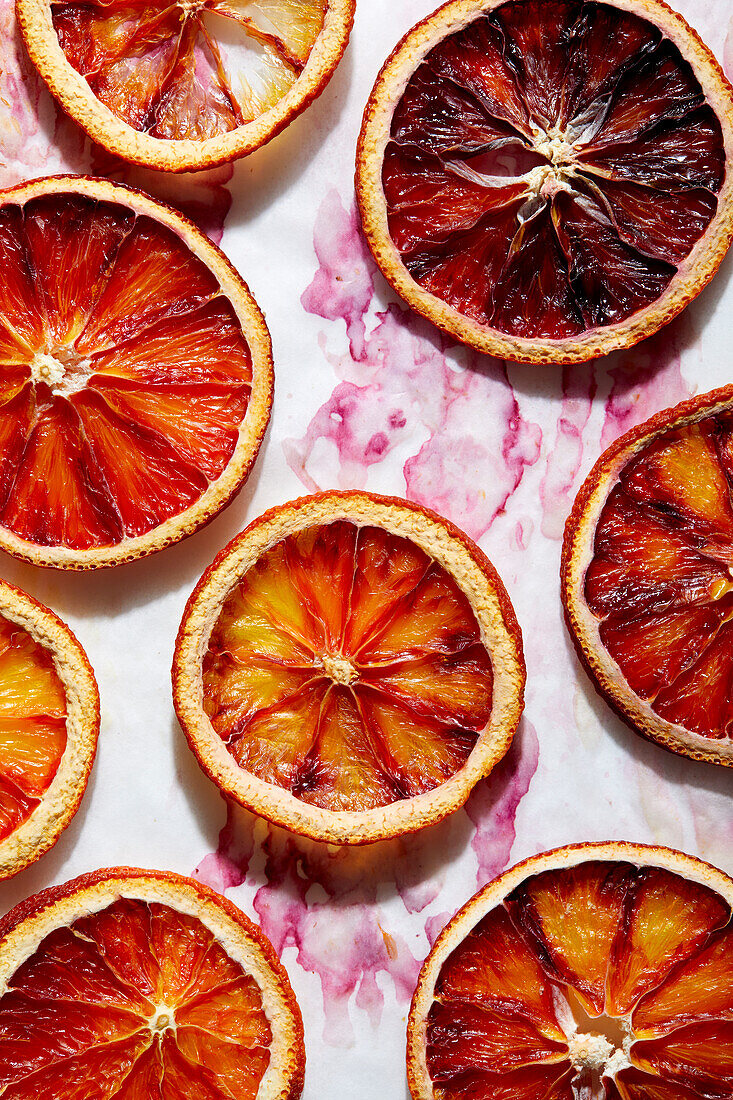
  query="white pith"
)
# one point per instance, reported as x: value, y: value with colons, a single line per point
x: 339, y: 668
x: 62, y: 369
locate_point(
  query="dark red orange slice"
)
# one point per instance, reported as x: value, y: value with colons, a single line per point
x: 548, y: 181
x: 187, y: 85
x: 648, y: 577
x: 349, y: 667
x: 601, y: 970
x: 135, y: 375
x: 139, y: 984
x: 49, y: 723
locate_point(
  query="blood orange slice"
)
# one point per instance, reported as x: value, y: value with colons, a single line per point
x: 600, y: 971
x: 548, y: 181
x: 349, y: 667
x: 186, y: 85
x: 647, y: 577
x: 135, y: 375
x: 140, y: 984
x: 49, y: 723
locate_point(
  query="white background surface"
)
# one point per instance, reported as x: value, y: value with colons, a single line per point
x: 353, y: 926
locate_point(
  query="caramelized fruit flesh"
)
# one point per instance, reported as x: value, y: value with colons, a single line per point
x: 550, y: 167
x: 32, y: 725
x: 661, y: 578
x: 136, y: 1000
x: 193, y: 69
x: 124, y: 374
x: 347, y: 667
x: 600, y: 980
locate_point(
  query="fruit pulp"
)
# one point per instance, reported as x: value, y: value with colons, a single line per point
x: 551, y: 166
x: 347, y: 667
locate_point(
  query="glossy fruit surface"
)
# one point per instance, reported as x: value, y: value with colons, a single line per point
x: 185, y: 85
x: 135, y: 374
x: 548, y: 181
x: 648, y: 576
x: 142, y: 985
x: 49, y: 723
x: 600, y: 971
x: 361, y: 668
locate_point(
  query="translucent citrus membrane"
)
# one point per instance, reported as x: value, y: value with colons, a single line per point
x: 551, y: 166
x: 584, y: 975
x: 661, y: 578
x: 347, y: 667
x: 192, y: 69
x: 32, y: 724
x: 135, y: 1001
x: 124, y: 373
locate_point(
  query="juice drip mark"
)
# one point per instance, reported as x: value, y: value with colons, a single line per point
x: 38, y: 139
x: 462, y: 440
x: 494, y: 803
x: 564, y: 461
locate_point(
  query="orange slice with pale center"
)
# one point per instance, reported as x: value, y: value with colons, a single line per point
x: 602, y: 971
x: 139, y: 984
x: 135, y: 375
x: 349, y: 667
x: 49, y: 723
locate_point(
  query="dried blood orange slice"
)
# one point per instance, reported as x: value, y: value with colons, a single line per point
x: 548, y: 181
x: 186, y: 85
x: 349, y: 667
x: 135, y: 375
x: 647, y: 577
x: 49, y: 723
x: 139, y: 984
x: 600, y: 971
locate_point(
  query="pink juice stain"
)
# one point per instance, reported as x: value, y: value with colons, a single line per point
x: 464, y: 445
x: 38, y: 139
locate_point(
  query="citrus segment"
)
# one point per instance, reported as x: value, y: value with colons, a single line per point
x: 548, y: 181
x: 547, y: 974
x: 187, y: 85
x: 131, y: 996
x: 648, y: 581
x: 347, y: 665
x: 138, y: 384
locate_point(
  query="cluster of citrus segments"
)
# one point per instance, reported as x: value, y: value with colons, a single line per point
x: 647, y: 577
x: 186, y: 85
x: 135, y: 375
x: 49, y: 723
x: 349, y: 667
x: 600, y: 971
x: 548, y: 181
x: 138, y: 984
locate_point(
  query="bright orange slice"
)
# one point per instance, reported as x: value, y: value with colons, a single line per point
x: 600, y: 971
x: 187, y: 85
x: 349, y: 667
x: 140, y: 984
x: 548, y: 180
x: 647, y: 577
x: 135, y: 375
x: 49, y: 723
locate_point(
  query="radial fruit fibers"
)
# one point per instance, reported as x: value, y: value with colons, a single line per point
x: 548, y: 181
x: 49, y: 722
x: 349, y: 667
x: 186, y: 85
x: 647, y: 577
x: 139, y: 984
x: 135, y: 375
x: 601, y: 971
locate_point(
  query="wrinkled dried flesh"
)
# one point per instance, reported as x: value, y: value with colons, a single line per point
x: 638, y: 945
x: 403, y: 706
x: 135, y: 1001
x: 32, y: 724
x: 192, y: 69
x: 124, y: 374
x: 661, y: 578
x: 550, y: 168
